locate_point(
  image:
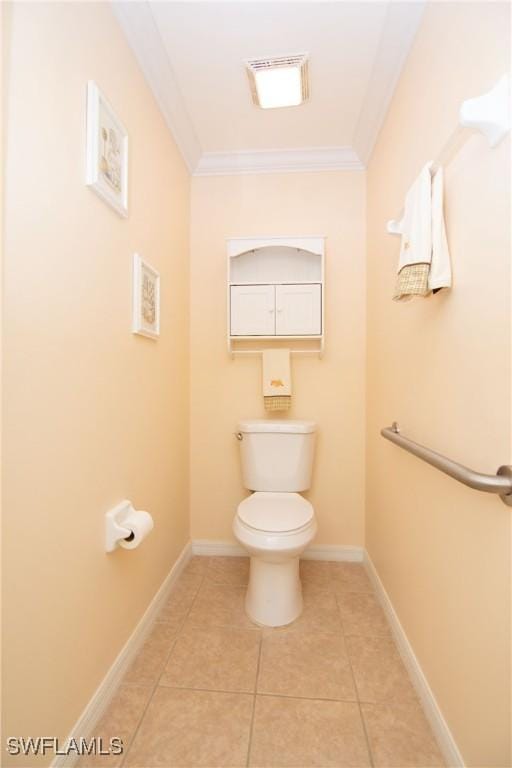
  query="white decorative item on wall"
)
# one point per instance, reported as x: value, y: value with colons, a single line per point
x: 146, y: 299
x: 275, y: 293
x: 107, y: 151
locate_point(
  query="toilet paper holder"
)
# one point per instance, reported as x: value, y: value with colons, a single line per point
x: 117, y: 525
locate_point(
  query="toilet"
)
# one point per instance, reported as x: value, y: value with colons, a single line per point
x: 275, y: 523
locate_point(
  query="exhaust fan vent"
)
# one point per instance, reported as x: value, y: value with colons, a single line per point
x: 280, y: 81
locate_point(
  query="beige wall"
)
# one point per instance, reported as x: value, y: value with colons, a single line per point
x: 330, y: 390
x: 3, y: 42
x: 442, y: 368
x: 95, y: 414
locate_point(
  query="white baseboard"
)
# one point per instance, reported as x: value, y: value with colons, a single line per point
x: 86, y: 723
x: 230, y: 549
x: 217, y: 548
x: 335, y: 553
x: 439, y: 726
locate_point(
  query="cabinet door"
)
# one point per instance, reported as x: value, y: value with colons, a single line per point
x: 252, y: 310
x: 298, y: 310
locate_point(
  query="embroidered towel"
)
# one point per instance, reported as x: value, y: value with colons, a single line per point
x: 424, y: 263
x: 277, y: 382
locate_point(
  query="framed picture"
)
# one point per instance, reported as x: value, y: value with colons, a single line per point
x: 146, y: 299
x: 107, y: 151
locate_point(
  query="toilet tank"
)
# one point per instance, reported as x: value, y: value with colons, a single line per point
x: 277, y: 455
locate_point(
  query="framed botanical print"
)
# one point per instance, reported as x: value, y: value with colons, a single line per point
x: 146, y: 299
x: 107, y: 151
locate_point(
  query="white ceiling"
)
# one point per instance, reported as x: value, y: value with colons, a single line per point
x: 192, y: 54
x: 207, y: 44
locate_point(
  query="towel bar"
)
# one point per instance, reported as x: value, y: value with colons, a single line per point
x: 500, y: 483
x: 489, y: 114
x: 234, y: 352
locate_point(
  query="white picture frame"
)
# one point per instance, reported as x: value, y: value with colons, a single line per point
x: 146, y: 299
x: 106, y: 151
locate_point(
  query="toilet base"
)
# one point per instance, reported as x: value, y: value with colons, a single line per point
x: 274, y: 594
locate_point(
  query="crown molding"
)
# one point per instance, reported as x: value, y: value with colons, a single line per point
x: 400, y: 26
x: 137, y: 22
x: 398, y: 32
x: 278, y: 161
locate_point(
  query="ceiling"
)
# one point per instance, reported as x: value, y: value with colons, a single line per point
x: 192, y: 55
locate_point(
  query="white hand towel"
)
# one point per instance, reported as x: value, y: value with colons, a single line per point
x: 277, y: 380
x: 440, y: 274
x: 416, y: 223
x: 424, y: 263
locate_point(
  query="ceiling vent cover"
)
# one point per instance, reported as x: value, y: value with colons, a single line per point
x: 280, y: 81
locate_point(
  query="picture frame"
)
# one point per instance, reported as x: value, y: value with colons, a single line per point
x: 106, y: 151
x: 146, y: 299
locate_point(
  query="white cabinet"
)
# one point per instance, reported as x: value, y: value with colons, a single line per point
x: 276, y: 310
x: 298, y: 310
x: 252, y: 310
x: 276, y: 291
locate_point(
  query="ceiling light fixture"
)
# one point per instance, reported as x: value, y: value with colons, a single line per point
x: 280, y: 81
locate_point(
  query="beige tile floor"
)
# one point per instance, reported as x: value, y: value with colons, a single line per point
x: 210, y: 688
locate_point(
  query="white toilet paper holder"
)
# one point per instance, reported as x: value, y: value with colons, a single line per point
x: 116, y: 531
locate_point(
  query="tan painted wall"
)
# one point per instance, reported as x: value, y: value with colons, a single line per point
x: 330, y: 391
x: 442, y: 368
x: 3, y: 57
x: 94, y: 414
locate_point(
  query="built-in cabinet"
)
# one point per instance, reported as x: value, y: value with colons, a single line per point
x: 275, y: 289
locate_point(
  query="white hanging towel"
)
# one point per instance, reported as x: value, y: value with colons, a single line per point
x: 440, y: 274
x: 424, y: 263
x: 277, y: 380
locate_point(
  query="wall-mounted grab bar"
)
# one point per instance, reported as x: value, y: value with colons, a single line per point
x: 500, y: 483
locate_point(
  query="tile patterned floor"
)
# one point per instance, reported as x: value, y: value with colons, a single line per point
x: 210, y: 688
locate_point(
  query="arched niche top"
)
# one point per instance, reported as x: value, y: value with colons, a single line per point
x: 240, y: 245
x: 276, y: 264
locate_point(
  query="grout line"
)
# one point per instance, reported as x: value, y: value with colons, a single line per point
x: 363, y: 723
x: 249, y: 744
x: 155, y: 686
x: 356, y: 689
x: 263, y: 693
x: 260, y: 651
x: 341, y: 619
x: 304, y: 698
x: 366, y: 736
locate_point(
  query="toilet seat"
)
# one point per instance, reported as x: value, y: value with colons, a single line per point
x: 275, y: 513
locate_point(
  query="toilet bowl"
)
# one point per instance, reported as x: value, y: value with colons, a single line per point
x: 275, y: 524
x: 275, y: 528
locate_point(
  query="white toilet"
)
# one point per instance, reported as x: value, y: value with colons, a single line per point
x: 275, y: 524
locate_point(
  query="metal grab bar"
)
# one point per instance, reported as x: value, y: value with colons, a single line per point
x: 500, y: 483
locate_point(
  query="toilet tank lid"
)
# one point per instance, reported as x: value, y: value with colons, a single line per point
x: 288, y: 426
